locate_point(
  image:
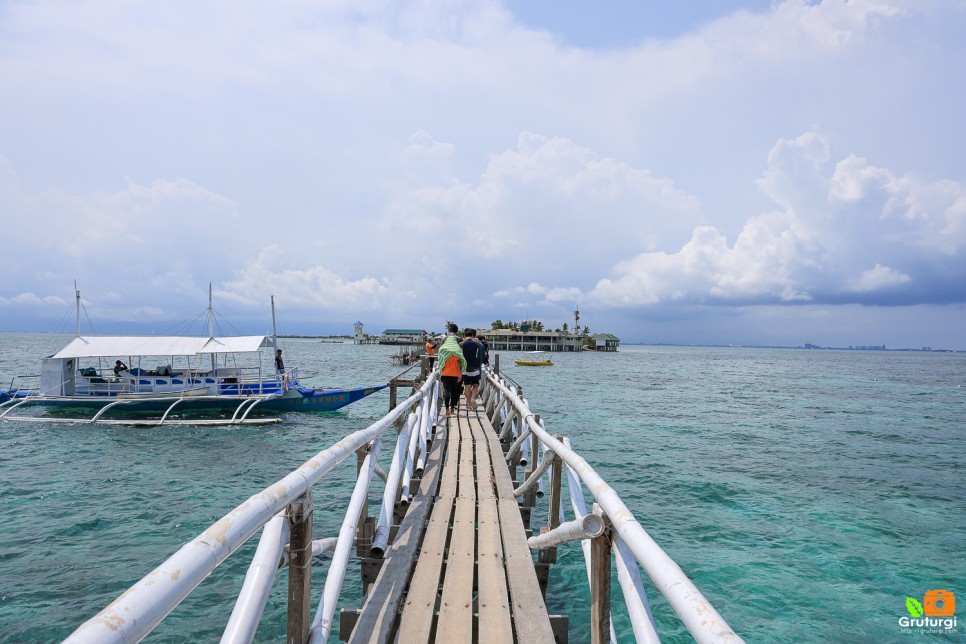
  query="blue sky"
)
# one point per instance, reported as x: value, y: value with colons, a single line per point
x: 702, y: 172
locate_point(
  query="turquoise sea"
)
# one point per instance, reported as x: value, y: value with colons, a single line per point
x: 807, y: 493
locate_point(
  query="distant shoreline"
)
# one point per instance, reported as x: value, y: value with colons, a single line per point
x: 807, y: 347
x: 802, y: 348
x: 316, y: 337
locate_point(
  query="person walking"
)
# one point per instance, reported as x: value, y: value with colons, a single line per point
x: 486, y: 349
x: 451, y: 365
x: 473, y: 352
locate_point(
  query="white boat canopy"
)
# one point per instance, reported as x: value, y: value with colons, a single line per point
x: 101, y: 346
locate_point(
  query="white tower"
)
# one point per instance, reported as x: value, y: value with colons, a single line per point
x: 359, y: 335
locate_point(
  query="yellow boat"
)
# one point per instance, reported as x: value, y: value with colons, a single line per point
x: 536, y: 359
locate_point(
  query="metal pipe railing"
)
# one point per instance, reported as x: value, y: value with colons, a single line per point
x: 428, y: 421
x: 322, y: 624
x: 135, y: 613
x: 380, y: 537
x: 258, y: 582
x: 319, y: 547
x: 415, y: 442
x: 694, y: 610
x: 534, y: 477
x: 589, y: 526
x: 512, y: 452
x: 635, y: 600
x: 139, y: 609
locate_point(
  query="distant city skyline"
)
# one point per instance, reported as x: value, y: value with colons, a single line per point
x: 736, y: 172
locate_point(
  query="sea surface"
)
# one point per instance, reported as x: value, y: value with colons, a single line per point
x: 807, y: 493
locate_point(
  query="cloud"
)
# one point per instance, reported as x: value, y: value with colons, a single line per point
x: 877, y: 278
x: 415, y: 160
x: 31, y: 299
x: 314, y: 287
x: 144, y: 240
x: 817, y: 246
x: 547, y: 197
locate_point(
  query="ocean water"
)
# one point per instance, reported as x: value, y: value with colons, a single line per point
x: 806, y: 493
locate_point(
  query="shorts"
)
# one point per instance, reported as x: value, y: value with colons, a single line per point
x: 471, y: 380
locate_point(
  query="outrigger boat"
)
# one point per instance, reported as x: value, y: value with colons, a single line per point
x: 536, y: 359
x: 169, y: 374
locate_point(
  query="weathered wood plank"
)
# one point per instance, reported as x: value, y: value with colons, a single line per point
x: 432, y: 471
x: 501, y: 475
x: 456, y: 604
x: 467, y: 478
x: 484, y: 470
x: 447, y: 484
x: 495, y: 626
x: 420, y: 602
x: 530, y: 619
x: 378, y: 613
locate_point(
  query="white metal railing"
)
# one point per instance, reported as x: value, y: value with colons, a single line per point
x: 138, y: 610
x: 280, y: 511
x: 508, y: 410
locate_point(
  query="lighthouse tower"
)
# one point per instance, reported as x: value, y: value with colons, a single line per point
x: 360, y: 336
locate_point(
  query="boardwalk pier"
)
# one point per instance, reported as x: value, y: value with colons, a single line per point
x: 448, y: 556
x: 464, y: 524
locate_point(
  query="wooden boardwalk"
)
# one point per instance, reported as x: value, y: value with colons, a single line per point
x: 459, y: 568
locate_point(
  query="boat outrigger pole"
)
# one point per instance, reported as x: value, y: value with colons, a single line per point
x: 77, y: 306
x: 211, y: 326
x: 274, y: 336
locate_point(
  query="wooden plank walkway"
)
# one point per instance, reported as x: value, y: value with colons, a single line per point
x: 459, y: 568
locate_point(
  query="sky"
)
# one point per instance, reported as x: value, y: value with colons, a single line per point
x: 708, y: 172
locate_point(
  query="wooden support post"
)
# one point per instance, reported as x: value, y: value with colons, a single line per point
x: 549, y: 555
x: 600, y: 555
x: 496, y: 363
x: 300, y: 569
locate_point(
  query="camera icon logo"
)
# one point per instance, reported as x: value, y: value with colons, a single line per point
x: 939, y: 603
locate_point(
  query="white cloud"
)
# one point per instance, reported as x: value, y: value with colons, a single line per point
x: 813, y: 247
x: 314, y: 287
x: 32, y: 299
x: 440, y: 159
x: 876, y: 278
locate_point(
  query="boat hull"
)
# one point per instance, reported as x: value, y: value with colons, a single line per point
x: 318, y: 400
x: 294, y: 400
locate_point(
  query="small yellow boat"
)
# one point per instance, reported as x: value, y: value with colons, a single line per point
x: 536, y: 359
